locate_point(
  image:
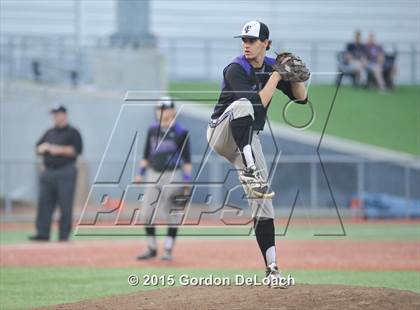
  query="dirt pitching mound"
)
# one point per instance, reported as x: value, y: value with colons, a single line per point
x: 257, y: 297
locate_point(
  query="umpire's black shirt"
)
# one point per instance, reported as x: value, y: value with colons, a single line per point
x: 241, y: 80
x: 64, y: 136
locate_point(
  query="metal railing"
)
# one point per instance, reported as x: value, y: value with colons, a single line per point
x: 187, y: 58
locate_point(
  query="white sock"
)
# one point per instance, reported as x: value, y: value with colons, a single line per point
x: 151, y: 242
x: 270, y: 255
x: 169, y: 242
x: 248, y: 156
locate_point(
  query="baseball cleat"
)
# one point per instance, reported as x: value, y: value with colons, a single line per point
x: 167, y: 256
x: 274, y: 277
x: 150, y: 253
x: 253, y: 180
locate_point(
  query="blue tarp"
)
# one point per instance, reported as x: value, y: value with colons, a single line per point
x: 386, y: 206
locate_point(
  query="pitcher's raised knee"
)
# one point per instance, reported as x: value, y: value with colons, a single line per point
x: 242, y: 107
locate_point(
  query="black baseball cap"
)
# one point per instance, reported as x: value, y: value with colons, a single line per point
x: 165, y: 103
x: 254, y: 30
x: 58, y: 108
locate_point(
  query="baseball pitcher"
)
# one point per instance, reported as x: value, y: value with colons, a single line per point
x: 249, y: 82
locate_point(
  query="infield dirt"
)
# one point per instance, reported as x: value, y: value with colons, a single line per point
x: 251, y: 297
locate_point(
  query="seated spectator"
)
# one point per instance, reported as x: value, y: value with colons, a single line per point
x: 376, y: 58
x: 345, y: 69
x: 355, y: 58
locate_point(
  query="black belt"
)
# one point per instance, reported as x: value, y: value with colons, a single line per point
x: 214, y: 122
x: 166, y: 169
x: 56, y: 167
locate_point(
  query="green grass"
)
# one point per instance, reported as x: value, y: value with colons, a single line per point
x: 389, y: 120
x: 366, y: 231
x: 23, y: 287
x: 33, y: 287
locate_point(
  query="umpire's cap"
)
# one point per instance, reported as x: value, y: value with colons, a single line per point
x: 165, y: 103
x: 58, y: 108
x: 255, y: 30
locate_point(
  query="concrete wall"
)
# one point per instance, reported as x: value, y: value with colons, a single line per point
x: 108, y: 129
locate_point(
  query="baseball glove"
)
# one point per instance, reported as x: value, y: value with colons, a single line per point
x: 291, y: 70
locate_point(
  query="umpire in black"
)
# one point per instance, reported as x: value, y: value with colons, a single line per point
x: 59, y: 147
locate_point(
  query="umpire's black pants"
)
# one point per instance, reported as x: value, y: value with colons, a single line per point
x: 57, y: 186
